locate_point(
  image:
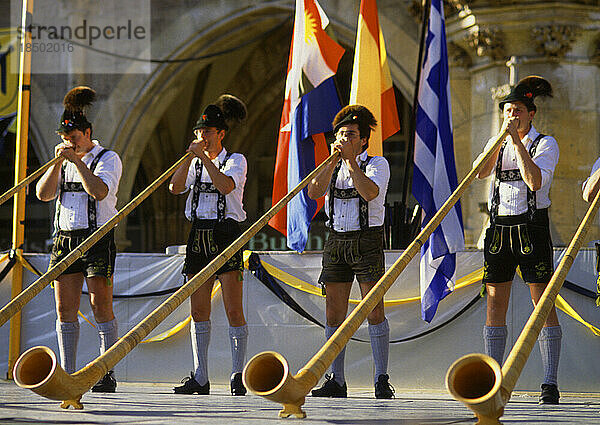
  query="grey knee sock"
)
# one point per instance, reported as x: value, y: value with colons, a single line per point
x: 200, y: 332
x: 238, y: 337
x: 108, y: 333
x: 494, y: 338
x: 550, y: 340
x: 68, y: 336
x: 380, y: 344
x: 337, y: 367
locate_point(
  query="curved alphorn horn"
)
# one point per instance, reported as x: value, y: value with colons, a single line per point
x: 10, y: 192
x: 17, y: 303
x: 38, y: 370
x: 267, y: 374
x: 488, y: 393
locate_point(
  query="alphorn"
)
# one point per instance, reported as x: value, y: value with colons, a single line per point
x: 17, y: 303
x: 10, y: 192
x: 267, y: 374
x: 477, y: 380
x: 38, y: 368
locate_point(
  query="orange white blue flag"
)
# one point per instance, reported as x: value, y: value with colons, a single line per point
x: 310, y: 104
x: 371, y: 79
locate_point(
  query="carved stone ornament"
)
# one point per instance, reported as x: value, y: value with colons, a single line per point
x: 486, y: 42
x: 500, y: 92
x: 458, y: 56
x: 555, y: 40
x: 596, y: 53
x: 451, y: 7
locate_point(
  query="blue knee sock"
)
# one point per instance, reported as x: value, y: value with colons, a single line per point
x: 68, y: 337
x: 494, y: 338
x: 550, y: 340
x: 337, y: 367
x: 380, y: 344
x: 238, y: 337
x: 200, y: 332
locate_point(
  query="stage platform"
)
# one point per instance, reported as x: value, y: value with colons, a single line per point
x: 156, y: 404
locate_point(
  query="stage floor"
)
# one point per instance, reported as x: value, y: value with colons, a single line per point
x: 156, y: 404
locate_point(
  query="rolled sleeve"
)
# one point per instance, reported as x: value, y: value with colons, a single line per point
x: 546, y: 157
x: 378, y: 170
x: 595, y: 168
x: 236, y: 168
x: 109, y: 170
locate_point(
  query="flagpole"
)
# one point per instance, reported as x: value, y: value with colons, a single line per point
x: 18, y: 228
x: 410, y: 149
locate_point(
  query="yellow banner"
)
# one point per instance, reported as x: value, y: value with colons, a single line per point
x: 9, y: 81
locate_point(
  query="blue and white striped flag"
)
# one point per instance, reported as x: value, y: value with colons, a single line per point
x: 435, y: 170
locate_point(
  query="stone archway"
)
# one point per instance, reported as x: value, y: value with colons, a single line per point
x: 154, y: 126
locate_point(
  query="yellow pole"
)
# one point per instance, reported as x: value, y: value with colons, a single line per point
x: 18, y: 229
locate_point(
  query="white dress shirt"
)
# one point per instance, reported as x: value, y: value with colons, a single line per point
x: 513, y: 194
x: 346, y: 218
x: 236, y: 168
x: 73, y: 206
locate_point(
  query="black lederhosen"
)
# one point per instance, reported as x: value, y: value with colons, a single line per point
x: 516, y: 241
x: 99, y: 260
x: 207, y: 239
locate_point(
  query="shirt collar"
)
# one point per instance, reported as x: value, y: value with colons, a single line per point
x: 221, y: 156
x: 94, y: 151
x: 531, y: 135
x: 362, y: 157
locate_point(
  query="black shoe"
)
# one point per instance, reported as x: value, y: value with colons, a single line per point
x: 237, y: 386
x: 191, y: 386
x: 549, y: 394
x: 383, y: 388
x: 331, y: 388
x: 108, y: 384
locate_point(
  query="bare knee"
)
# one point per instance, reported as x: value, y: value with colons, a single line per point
x: 102, y: 309
x: 236, y: 317
x: 376, y: 316
x: 66, y: 313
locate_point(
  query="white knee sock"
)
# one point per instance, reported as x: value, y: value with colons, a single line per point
x: 494, y: 338
x: 68, y: 336
x: 337, y: 367
x: 238, y: 337
x: 200, y: 332
x: 550, y: 340
x: 380, y: 344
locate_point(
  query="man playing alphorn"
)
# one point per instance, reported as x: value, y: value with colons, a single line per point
x: 355, y: 188
x: 215, y: 179
x: 519, y: 232
x: 85, y: 185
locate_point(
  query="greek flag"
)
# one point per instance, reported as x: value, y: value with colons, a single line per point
x: 435, y: 170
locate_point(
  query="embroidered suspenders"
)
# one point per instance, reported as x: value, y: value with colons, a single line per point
x: 78, y: 187
x: 525, y: 244
x: 351, y: 193
x: 512, y: 175
x: 204, y: 187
